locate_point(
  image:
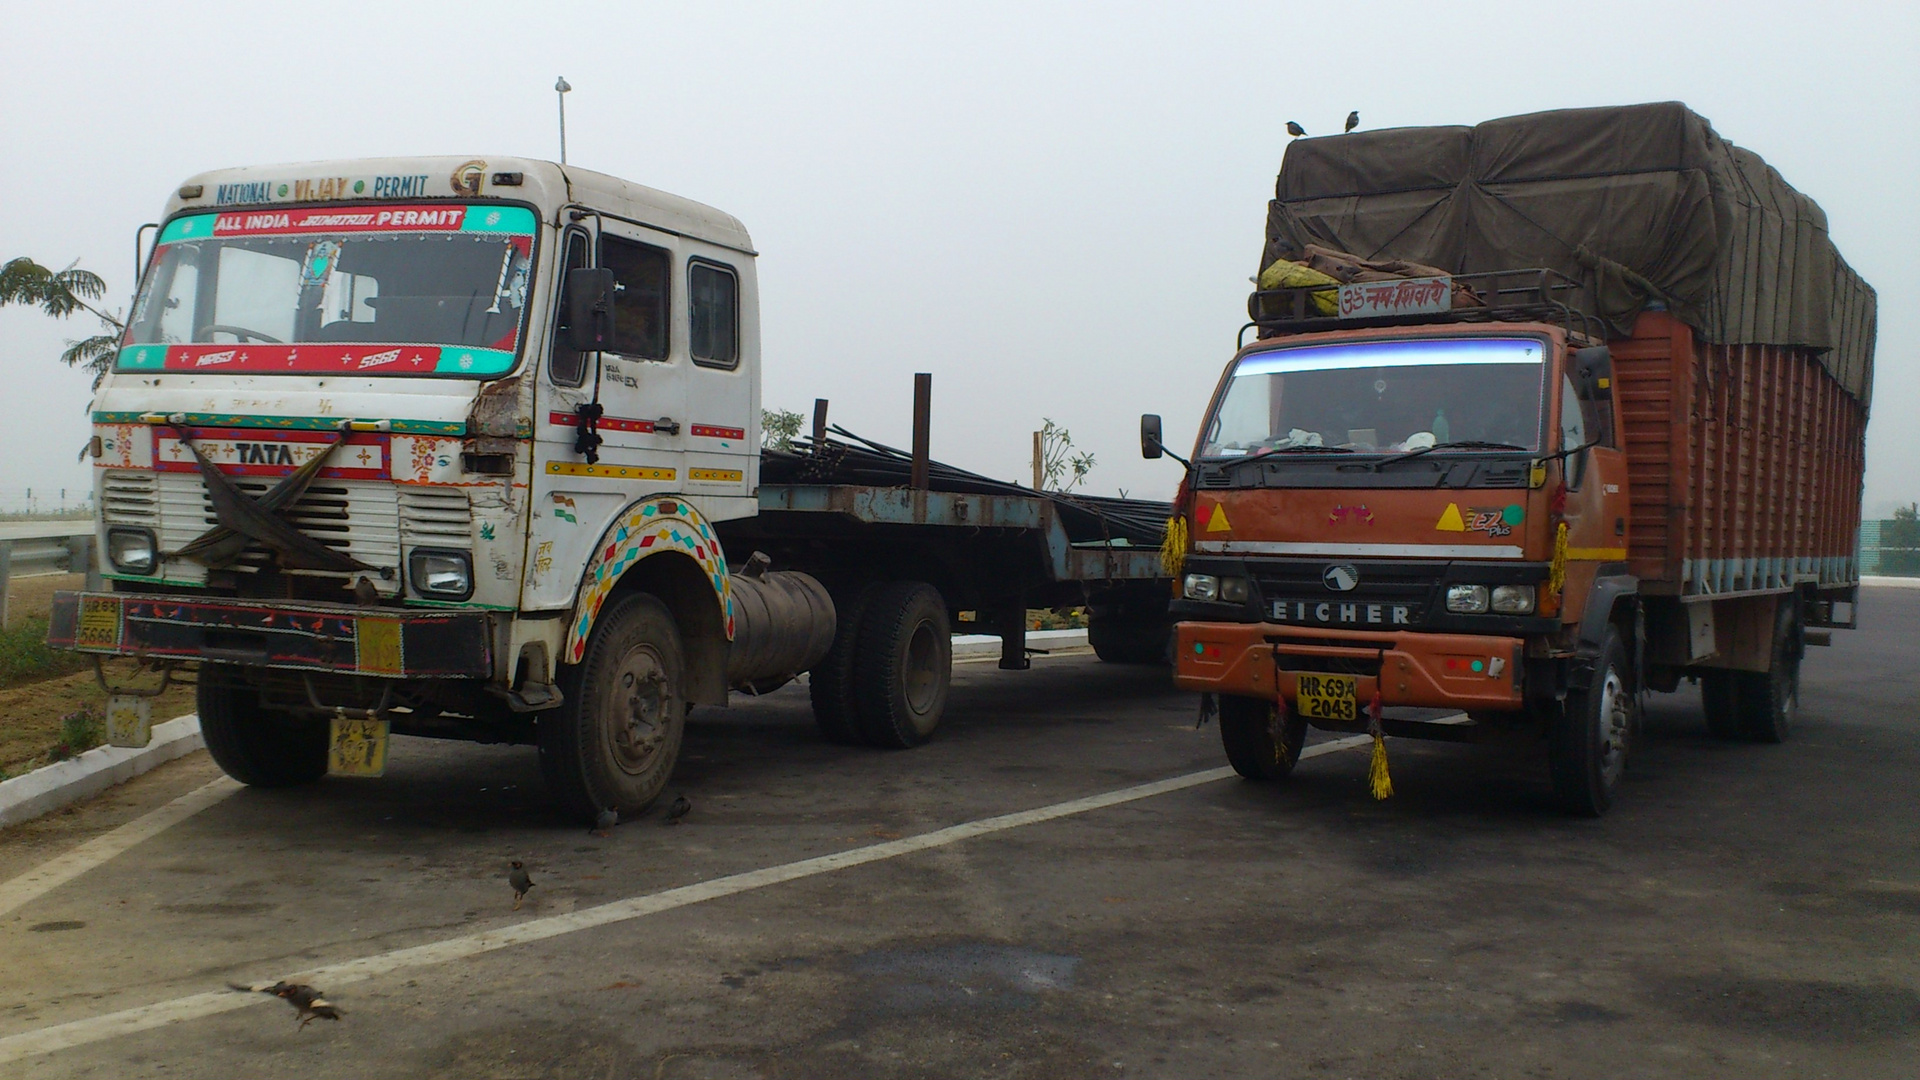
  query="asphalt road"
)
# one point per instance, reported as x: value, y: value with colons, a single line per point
x: 1745, y: 910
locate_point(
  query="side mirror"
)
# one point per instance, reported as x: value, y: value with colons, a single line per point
x: 589, y: 308
x: 1593, y: 372
x: 1150, y: 446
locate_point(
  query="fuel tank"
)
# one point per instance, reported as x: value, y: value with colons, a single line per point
x: 783, y: 624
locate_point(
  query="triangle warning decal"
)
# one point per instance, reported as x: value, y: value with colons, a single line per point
x: 1218, y: 521
x: 1450, y: 520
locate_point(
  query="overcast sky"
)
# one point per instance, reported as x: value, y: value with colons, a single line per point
x: 1053, y: 208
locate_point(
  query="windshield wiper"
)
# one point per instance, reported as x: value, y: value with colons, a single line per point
x: 1464, y: 444
x: 1300, y: 449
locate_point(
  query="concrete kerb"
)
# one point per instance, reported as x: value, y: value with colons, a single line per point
x: 1890, y: 582
x: 974, y: 646
x: 45, y: 790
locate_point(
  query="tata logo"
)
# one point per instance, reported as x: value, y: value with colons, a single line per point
x: 1340, y: 578
x: 263, y: 453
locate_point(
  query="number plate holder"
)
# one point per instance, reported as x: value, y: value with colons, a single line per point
x: 129, y: 721
x: 357, y: 747
x: 1327, y: 697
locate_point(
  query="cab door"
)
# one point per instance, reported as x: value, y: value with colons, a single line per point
x: 722, y: 397
x: 639, y: 387
x: 1595, y: 509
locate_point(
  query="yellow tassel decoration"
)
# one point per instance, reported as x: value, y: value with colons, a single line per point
x: 1377, y: 773
x: 1173, y: 549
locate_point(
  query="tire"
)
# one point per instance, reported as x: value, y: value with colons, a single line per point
x: 614, y: 742
x: 902, y: 665
x: 1591, y: 734
x: 830, y: 683
x: 1768, y: 700
x: 1261, y: 744
x: 259, y: 747
x: 1719, y: 699
x: 1121, y: 640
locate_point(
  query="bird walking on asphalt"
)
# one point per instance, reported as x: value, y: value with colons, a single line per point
x: 1353, y: 120
x: 678, y: 810
x: 1295, y: 129
x: 307, y: 1003
x: 517, y: 877
x: 604, y: 823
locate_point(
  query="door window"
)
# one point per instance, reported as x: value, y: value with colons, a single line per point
x: 640, y: 312
x: 568, y: 367
x: 713, y: 294
x: 1573, y: 430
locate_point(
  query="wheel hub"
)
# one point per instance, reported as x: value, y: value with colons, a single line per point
x: 638, y: 703
x: 1615, y: 720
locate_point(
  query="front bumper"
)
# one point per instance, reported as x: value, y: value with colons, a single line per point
x: 1411, y: 668
x: 295, y: 635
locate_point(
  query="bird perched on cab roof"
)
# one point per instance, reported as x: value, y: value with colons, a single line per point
x: 604, y: 823
x: 517, y: 877
x: 1353, y: 120
x: 1295, y: 129
x: 678, y: 810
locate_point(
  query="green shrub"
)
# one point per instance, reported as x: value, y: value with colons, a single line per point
x: 24, y: 656
x: 80, y: 731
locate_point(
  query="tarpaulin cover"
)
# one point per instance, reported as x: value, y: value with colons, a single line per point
x: 1638, y: 203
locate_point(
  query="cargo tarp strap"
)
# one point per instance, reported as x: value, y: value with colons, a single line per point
x: 242, y: 518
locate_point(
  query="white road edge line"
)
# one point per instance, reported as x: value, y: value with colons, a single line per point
x: 146, y: 1017
x: 58, y: 871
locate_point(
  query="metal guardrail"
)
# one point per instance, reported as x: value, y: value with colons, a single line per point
x: 56, y: 552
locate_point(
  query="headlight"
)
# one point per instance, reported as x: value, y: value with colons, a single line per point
x: 1233, y: 590
x: 1200, y: 587
x: 1467, y: 599
x: 131, y: 551
x: 441, y: 575
x: 1513, y: 599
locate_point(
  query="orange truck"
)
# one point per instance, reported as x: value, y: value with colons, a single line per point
x: 1536, y: 416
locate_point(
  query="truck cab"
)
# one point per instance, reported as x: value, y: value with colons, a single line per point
x: 388, y: 440
x: 1404, y: 512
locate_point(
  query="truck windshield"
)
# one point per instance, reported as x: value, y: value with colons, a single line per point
x: 435, y: 289
x: 1381, y: 397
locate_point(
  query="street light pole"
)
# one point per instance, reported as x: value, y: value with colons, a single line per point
x: 560, y: 87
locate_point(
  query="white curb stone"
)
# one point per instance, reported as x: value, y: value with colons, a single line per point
x: 969, y: 646
x: 1890, y: 582
x: 43, y: 790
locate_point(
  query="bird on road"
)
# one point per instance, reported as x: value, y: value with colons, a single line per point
x: 307, y: 1003
x: 1353, y: 120
x: 517, y: 877
x: 604, y: 823
x: 1295, y: 129
x: 678, y: 810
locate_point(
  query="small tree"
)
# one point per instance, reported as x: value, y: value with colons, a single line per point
x: 1900, y: 542
x: 778, y: 428
x: 1057, y: 459
x: 60, y: 294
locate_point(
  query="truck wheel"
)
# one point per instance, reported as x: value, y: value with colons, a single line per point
x: 1719, y: 699
x: 1589, y: 737
x: 1119, y: 640
x: 1262, y: 738
x: 1769, y: 699
x: 259, y: 747
x: 903, y: 665
x: 613, y: 744
x: 830, y: 683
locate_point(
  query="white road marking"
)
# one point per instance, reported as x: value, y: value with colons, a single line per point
x: 57, y: 872
x: 146, y: 1017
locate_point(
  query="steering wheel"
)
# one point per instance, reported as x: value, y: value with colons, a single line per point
x: 206, y: 333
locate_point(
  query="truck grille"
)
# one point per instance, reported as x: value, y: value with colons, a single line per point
x: 371, y: 521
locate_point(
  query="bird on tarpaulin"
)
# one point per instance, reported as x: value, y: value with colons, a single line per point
x: 1295, y: 129
x: 1353, y: 120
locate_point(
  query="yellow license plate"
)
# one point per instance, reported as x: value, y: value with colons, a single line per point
x: 1328, y: 697
x: 357, y: 748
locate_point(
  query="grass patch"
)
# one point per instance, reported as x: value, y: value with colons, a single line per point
x: 25, y: 658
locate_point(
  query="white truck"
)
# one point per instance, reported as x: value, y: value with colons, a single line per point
x: 446, y: 447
